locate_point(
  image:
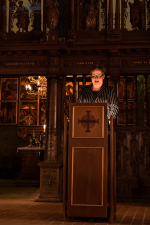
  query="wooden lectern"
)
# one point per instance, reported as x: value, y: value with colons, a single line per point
x: 85, y: 172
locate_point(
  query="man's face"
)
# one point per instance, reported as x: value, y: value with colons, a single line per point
x: 97, y: 79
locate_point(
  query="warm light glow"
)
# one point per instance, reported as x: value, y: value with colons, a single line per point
x: 41, y: 86
x: 44, y: 127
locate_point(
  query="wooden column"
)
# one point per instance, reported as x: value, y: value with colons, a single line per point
x: 74, y: 88
x: 145, y: 101
x: 84, y: 79
x: 51, y: 136
x: 78, y: 14
x: 4, y: 17
x: 135, y: 100
x: 50, y: 168
x: 72, y: 16
x: 110, y: 15
x: 117, y: 15
x: 125, y: 101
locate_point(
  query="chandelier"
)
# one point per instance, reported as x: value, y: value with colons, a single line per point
x: 40, y: 84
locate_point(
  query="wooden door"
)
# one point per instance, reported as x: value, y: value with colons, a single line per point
x: 87, y: 160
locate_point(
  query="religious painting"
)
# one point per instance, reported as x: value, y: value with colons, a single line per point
x: 42, y: 113
x: 28, y: 90
x: 9, y: 88
x: 120, y: 86
x: 28, y: 113
x: 130, y: 113
x: 130, y: 87
x: 8, y: 113
x: 120, y: 114
x: 22, y: 132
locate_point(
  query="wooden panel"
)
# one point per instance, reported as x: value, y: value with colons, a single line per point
x: 88, y: 122
x: 87, y: 161
x: 87, y: 166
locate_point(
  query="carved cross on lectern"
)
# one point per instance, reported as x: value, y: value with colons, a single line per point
x: 89, y: 120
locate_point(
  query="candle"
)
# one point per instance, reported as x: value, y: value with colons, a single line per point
x: 44, y: 128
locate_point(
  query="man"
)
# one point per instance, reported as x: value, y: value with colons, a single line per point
x: 98, y: 92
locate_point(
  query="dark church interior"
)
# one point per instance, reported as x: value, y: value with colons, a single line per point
x: 47, y: 49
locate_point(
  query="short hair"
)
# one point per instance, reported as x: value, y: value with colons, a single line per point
x: 97, y: 67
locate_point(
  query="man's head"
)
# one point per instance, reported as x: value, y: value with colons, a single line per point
x: 97, y: 77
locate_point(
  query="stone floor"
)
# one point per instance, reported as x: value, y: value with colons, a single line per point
x: 18, y: 207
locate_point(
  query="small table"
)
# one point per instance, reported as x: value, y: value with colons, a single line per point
x: 31, y: 156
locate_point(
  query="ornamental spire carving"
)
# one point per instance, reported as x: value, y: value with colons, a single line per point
x: 52, y: 14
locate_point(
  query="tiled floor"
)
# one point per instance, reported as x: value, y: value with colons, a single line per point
x: 18, y: 207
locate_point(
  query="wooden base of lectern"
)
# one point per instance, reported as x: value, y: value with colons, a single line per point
x: 85, y: 188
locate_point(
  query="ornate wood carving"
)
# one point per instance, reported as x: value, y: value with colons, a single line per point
x: 135, y: 100
x: 134, y: 153
x: 125, y: 102
x: 124, y: 13
x: 117, y: 15
x: 88, y: 35
x: 92, y: 15
x: 52, y: 133
x: 89, y: 14
x: 72, y: 36
x: 110, y: 15
x: 148, y: 14
x: 52, y: 14
x: 83, y: 63
x: 104, y: 13
x: 145, y: 101
x: 130, y: 62
x: 49, y: 176
x: 23, y: 63
x: 122, y: 155
x: 144, y: 155
x: 137, y: 14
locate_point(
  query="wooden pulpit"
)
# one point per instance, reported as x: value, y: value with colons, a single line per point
x: 85, y: 183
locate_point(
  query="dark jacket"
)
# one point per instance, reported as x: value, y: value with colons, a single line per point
x: 106, y: 94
